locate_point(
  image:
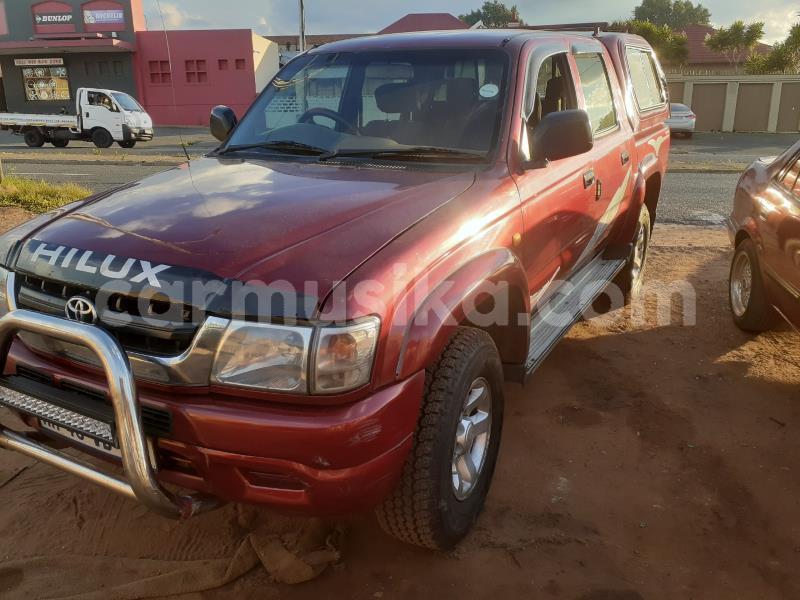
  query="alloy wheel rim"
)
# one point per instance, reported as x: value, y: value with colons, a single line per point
x: 741, y: 284
x: 639, y: 254
x: 472, y: 439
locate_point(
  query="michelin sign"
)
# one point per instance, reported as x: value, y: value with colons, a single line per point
x: 104, y: 17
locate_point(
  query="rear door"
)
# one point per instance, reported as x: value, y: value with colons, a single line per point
x: 613, y: 146
x: 780, y: 231
x: 556, y: 199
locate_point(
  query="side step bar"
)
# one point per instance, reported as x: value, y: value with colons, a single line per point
x: 140, y: 476
x: 554, y: 320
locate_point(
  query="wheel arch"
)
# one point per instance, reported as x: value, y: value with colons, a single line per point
x: 490, y: 293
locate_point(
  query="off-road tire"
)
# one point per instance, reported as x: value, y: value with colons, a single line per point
x: 60, y: 143
x: 759, y: 315
x: 102, y: 138
x: 127, y: 144
x: 630, y: 279
x: 423, y: 509
x: 33, y: 138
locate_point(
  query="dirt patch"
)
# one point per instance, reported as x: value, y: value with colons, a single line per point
x: 646, y: 460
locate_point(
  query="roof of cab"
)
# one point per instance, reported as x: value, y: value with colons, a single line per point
x: 467, y: 38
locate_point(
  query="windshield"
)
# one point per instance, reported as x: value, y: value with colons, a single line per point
x: 127, y: 103
x: 382, y: 101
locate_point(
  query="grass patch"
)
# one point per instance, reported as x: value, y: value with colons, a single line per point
x: 39, y: 196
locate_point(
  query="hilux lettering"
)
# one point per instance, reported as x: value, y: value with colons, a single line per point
x: 108, y: 268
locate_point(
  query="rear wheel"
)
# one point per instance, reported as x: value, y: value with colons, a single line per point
x: 631, y: 278
x: 33, y: 138
x: 60, y: 143
x: 447, y: 474
x: 102, y: 138
x: 748, y: 296
x: 127, y: 144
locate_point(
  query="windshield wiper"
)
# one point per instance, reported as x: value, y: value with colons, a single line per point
x: 287, y: 146
x: 412, y: 153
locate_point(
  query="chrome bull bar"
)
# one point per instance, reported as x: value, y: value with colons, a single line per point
x: 140, y: 482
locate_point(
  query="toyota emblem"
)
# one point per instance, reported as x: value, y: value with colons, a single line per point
x: 81, y: 310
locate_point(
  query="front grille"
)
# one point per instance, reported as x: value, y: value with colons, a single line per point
x: 151, y: 333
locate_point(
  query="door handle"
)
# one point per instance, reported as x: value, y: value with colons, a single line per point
x: 598, y: 194
x: 626, y: 158
x: 588, y: 179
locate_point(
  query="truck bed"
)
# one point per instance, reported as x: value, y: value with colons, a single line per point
x: 32, y: 120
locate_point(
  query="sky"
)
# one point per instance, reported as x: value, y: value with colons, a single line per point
x: 277, y: 17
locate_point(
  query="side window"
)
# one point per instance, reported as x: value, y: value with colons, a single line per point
x: 791, y: 181
x: 647, y: 85
x: 554, y: 90
x: 597, y: 92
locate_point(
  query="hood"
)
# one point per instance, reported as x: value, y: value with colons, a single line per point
x: 256, y: 220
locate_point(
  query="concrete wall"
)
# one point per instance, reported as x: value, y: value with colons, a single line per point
x: 207, y: 67
x: 747, y: 103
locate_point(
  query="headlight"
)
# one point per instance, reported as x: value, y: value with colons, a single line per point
x: 278, y: 358
x: 343, y: 357
x: 267, y: 357
x: 4, y: 275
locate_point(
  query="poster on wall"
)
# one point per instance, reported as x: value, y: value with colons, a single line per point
x: 104, y: 17
x: 38, y: 62
x: 53, y: 18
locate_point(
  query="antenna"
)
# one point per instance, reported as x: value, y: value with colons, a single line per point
x: 171, y: 75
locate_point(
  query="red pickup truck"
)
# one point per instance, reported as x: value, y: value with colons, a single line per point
x: 320, y: 315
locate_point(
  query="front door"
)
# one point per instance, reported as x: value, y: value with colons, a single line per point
x: 557, y: 198
x: 100, y: 110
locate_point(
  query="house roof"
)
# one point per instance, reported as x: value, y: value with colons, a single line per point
x: 313, y: 40
x: 699, y: 53
x: 425, y: 22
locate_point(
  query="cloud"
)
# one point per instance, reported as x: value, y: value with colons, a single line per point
x: 173, y: 17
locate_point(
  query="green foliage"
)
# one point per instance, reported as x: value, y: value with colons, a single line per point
x: 675, y: 14
x: 494, y: 14
x: 38, y: 196
x: 736, y: 42
x: 672, y: 48
x: 784, y: 57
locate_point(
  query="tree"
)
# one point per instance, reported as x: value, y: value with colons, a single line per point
x: 736, y: 42
x: 494, y: 14
x: 671, y: 47
x: 677, y: 14
x: 783, y: 58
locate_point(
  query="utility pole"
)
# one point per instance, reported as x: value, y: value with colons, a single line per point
x: 302, y: 42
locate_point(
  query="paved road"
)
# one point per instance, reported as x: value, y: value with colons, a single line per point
x: 730, y: 147
x: 167, y: 142
x: 688, y: 198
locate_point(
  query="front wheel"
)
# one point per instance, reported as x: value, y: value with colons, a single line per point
x: 447, y: 474
x: 748, y: 296
x: 127, y: 144
x: 102, y: 138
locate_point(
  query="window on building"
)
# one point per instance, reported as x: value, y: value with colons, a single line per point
x: 241, y: 64
x: 196, y: 71
x: 160, y: 72
x: 102, y: 67
x: 647, y: 84
x: 46, y: 83
x: 222, y: 64
x: 119, y: 68
x: 597, y: 92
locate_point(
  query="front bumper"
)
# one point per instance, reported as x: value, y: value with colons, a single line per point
x: 136, y: 134
x: 310, y: 460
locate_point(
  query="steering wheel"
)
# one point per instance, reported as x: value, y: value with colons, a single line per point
x: 308, y: 117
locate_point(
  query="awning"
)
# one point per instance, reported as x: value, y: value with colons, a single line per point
x: 50, y: 46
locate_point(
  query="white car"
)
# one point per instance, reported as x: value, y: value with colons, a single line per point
x: 681, y: 120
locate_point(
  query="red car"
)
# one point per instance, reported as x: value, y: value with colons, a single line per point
x: 765, y: 231
x: 320, y: 315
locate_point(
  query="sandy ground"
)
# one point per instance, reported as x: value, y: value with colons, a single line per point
x: 646, y: 460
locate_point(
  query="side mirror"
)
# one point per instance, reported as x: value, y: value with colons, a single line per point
x: 223, y: 120
x: 561, y: 135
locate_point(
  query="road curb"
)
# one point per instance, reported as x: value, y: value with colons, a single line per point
x: 711, y: 171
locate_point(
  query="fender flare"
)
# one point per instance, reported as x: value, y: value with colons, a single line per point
x: 455, y: 297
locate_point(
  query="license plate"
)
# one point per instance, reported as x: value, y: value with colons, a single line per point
x: 81, y: 439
